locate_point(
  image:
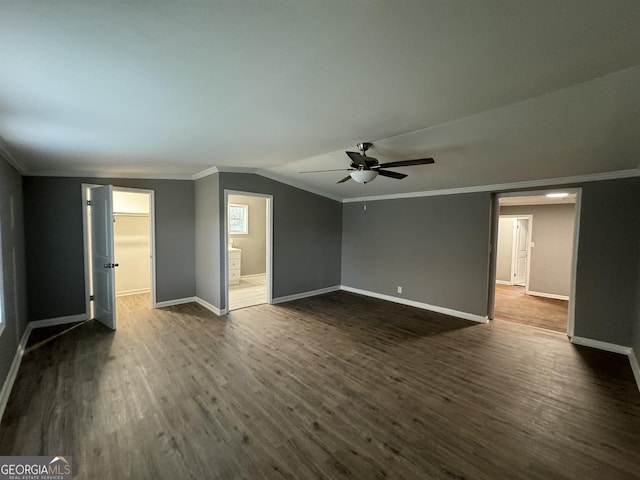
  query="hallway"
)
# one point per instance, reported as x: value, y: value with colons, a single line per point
x: 513, y: 305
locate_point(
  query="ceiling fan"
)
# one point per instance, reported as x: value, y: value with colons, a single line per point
x: 365, y: 169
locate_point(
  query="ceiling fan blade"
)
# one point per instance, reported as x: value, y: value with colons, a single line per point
x: 387, y: 173
x: 358, y: 159
x: 336, y: 170
x: 345, y: 179
x: 407, y: 163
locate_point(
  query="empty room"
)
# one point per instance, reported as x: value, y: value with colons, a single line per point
x: 277, y: 239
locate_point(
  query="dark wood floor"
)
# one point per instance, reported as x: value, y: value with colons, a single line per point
x: 336, y: 386
x: 514, y: 306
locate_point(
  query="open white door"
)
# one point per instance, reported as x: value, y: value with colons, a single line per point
x: 521, y: 251
x: 104, y: 292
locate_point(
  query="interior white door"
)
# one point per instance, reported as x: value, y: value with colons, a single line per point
x: 521, y: 251
x: 102, y: 261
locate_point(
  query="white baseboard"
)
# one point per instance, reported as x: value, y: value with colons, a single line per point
x: 503, y: 282
x: 607, y: 347
x: 177, y: 301
x: 13, y: 370
x: 310, y: 293
x: 413, y: 303
x: 635, y: 366
x: 132, y: 292
x: 253, y: 275
x: 81, y: 317
x: 547, y: 295
x: 210, y: 307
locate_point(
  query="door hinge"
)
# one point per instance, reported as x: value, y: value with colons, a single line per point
x: 92, y: 298
x: 89, y: 202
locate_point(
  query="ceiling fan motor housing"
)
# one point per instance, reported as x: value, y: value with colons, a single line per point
x: 364, y: 146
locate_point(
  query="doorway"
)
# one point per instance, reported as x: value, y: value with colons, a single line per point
x: 514, y: 249
x: 119, y: 241
x: 248, y: 249
x: 534, y: 259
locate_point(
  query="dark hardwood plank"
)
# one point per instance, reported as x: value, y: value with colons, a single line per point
x: 514, y: 306
x: 335, y: 386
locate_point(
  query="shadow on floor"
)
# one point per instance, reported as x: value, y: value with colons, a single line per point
x: 393, y: 320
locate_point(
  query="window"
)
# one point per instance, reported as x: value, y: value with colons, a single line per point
x: 238, y: 219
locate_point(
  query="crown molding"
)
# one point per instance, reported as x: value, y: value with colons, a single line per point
x: 204, y: 173
x: 500, y: 187
x: 316, y: 191
x: 504, y: 186
x: 99, y: 174
x: 13, y: 161
x: 266, y: 174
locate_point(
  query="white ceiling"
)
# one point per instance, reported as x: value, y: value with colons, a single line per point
x: 496, y: 91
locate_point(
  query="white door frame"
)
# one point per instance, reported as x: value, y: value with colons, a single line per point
x: 514, y: 247
x: 574, y: 255
x: 152, y: 233
x: 225, y: 243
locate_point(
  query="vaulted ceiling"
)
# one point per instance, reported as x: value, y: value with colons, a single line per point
x: 496, y: 91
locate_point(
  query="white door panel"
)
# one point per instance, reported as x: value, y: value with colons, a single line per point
x: 522, y: 251
x: 102, y: 255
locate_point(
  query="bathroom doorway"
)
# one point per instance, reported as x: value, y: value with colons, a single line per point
x: 248, y: 252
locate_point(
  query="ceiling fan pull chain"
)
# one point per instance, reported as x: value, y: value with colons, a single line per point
x: 365, y: 196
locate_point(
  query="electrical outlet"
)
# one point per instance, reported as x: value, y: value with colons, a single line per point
x: 399, y: 289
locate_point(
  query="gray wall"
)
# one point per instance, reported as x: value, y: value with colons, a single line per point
x: 504, y: 249
x: 208, y: 231
x: 54, y: 241
x: 552, y: 234
x: 13, y: 269
x: 253, y: 244
x: 607, y: 276
x: 436, y: 248
x: 307, y: 231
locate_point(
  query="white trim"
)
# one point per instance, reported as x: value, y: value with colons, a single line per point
x: 607, y: 347
x: 85, y: 247
x: 635, y: 366
x: 177, y: 301
x: 225, y: 243
x: 298, y: 185
x: 413, y: 303
x: 13, y: 161
x: 503, y: 282
x: 310, y: 293
x: 152, y: 239
x: 548, y: 295
x: 111, y: 176
x: 504, y: 186
x: 210, y: 307
x: 266, y: 174
x: 152, y: 234
x: 514, y: 247
x: 253, y: 275
x: 10, y: 379
x: 132, y: 292
x: 571, y: 314
x: 205, y: 173
x: 49, y: 322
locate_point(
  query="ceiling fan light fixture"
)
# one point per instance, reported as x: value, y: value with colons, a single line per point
x: 364, y: 176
